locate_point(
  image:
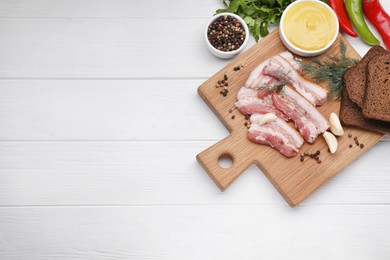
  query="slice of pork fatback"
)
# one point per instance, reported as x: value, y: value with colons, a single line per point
x: 293, y: 61
x: 277, y: 134
x: 248, y: 103
x: 281, y: 69
x: 257, y: 78
x: 307, y: 119
x: 265, y: 84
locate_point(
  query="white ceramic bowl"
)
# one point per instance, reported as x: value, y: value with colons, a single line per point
x: 226, y: 54
x: 300, y: 51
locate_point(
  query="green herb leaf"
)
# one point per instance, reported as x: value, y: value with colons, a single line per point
x: 263, y: 28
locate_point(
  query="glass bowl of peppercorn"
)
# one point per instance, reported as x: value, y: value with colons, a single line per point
x: 226, y: 35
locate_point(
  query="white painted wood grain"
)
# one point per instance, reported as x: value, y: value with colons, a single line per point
x: 105, y: 110
x: 160, y: 173
x: 196, y: 232
x: 109, y: 9
x: 100, y: 123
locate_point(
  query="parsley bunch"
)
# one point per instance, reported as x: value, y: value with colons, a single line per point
x: 258, y: 14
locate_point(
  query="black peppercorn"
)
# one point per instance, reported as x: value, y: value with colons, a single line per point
x: 226, y: 33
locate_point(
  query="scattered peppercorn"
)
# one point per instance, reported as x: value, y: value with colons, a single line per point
x: 230, y: 110
x: 350, y: 146
x: 349, y: 135
x: 226, y: 33
x: 233, y: 116
x: 361, y: 146
x: 246, y: 123
x: 223, y: 84
x: 237, y: 68
x: 314, y: 156
x: 247, y: 117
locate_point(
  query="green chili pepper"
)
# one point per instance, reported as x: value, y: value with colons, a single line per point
x: 355, y: 13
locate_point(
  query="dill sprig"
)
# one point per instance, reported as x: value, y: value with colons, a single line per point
x: 330, y: 70
x: 275, y: 86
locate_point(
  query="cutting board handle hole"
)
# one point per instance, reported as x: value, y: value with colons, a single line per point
x: 225, y: 161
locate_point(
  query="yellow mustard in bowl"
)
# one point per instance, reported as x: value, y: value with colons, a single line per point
x: 309, y: 25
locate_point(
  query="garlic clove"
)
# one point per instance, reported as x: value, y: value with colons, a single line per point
x: 269, y: 117
x: 335, y: 125
x: 331, y: 141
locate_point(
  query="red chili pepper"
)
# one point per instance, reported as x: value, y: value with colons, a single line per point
x: 379, y: 18
x: 339, y: 8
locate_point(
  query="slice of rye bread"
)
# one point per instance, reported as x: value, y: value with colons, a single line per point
x: 376, y: 103
x: 351, y: 115
x: 355, y: 76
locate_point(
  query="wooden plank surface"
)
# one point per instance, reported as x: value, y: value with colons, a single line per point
x: 295, y: 180
x: 76, y: 176
x: 99, y: 9
x: 105, y: 110
x: 195, y: 232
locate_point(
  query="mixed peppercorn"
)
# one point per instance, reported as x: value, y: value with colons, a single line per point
x: 355, y: 139
x: 223, y: 83
x: 315, y: 156
x: 226, y: 33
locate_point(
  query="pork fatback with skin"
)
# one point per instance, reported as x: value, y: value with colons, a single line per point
x: 277, y: 134
x: 265, y: 84
x: 248, y: 103
x: 307, y: 119
x: 281, y: 69
x: 293, y: 61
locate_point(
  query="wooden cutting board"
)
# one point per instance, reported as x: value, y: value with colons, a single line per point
x: 295, y: 180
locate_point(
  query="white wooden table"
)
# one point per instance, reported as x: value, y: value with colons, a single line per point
x: 100, y: 126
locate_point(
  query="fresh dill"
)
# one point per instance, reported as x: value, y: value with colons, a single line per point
x: 330, y: 70
x: 275, y: 86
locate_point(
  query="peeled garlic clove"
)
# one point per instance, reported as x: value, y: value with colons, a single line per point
x: 331, y: 141
x: 270, y: 117
x: 335, y: 125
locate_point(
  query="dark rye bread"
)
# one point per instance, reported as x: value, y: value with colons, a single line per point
x: 351, y: 115
x: 355, y: 76
x: 376, y: 103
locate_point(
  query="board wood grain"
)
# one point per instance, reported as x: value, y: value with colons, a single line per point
x: 295, y: 180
